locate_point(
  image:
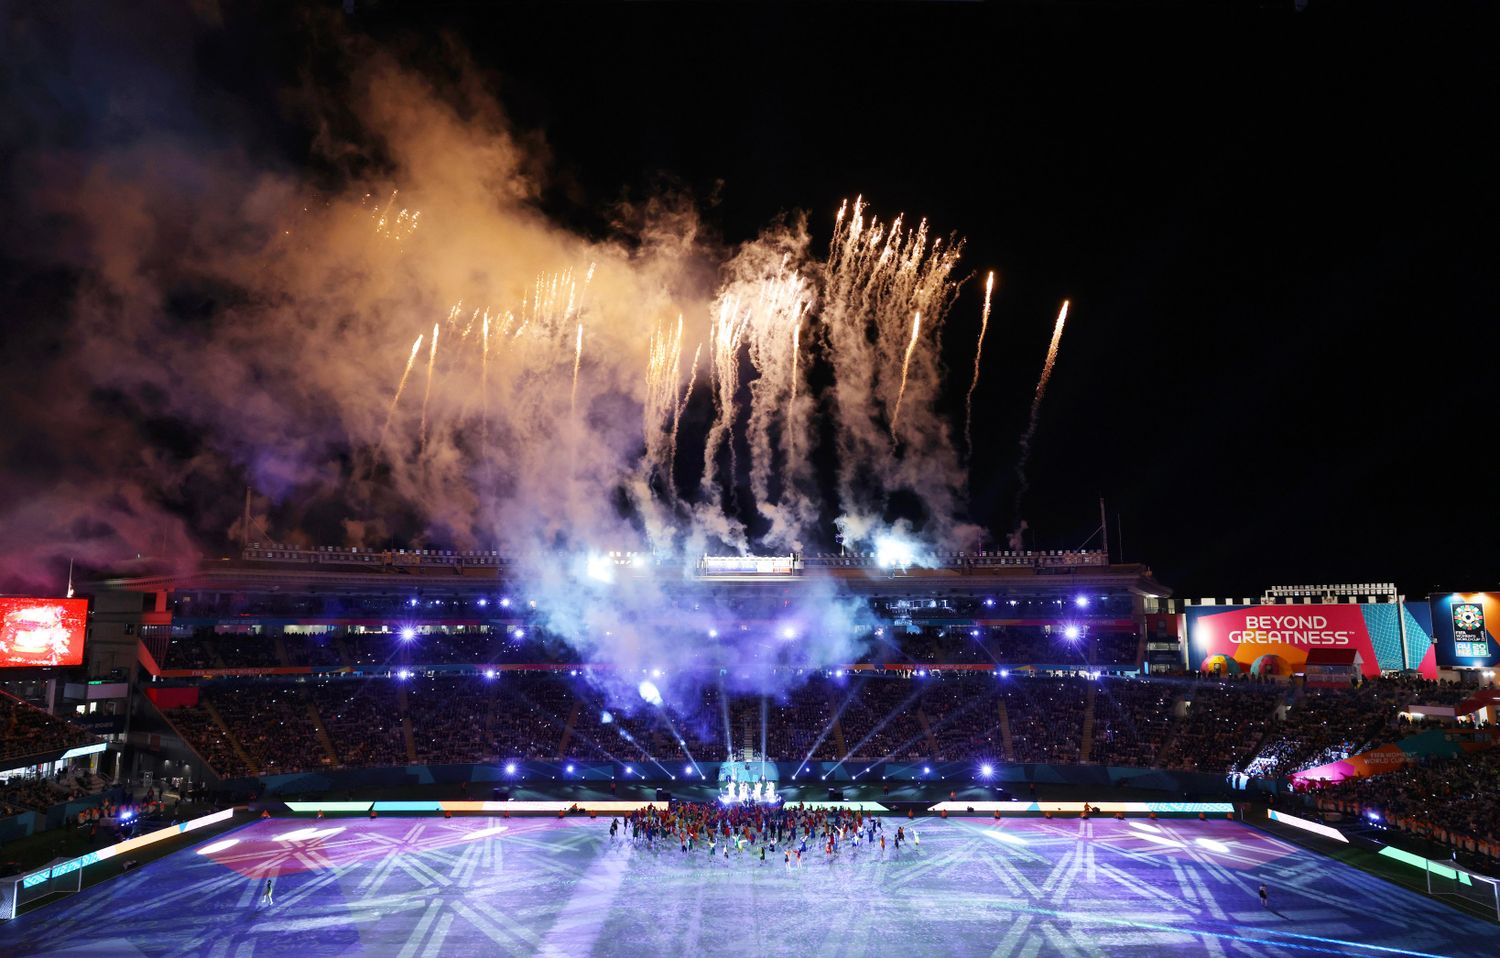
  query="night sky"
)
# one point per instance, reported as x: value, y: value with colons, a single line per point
x: 1276, y: 227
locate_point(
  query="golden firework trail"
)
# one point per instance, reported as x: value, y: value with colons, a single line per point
x: 1057, y: 331
x: 791, y: 406
x: 911, y: 347
x: 427, y: 393
x: 1036, y: 403
x: 577, y: 359
x: 400, y: 386
x: 686, y: 395
x: 398, y: 226
x: 984, y: 325
x: 484, y: 383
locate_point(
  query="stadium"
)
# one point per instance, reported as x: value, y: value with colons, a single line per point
x: 395, y: 741
x: 652, y: 479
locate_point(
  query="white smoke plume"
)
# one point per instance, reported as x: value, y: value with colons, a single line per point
x: 276, y: 322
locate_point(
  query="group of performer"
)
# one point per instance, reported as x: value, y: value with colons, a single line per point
x: 760, y: 793
x: 761, y: 830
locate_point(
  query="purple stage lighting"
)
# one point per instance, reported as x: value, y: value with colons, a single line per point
x: 510, y: 768
x: 986, y: 770
x: 1071, y: 632
x: 1082, y: 602
x: 408, y: 633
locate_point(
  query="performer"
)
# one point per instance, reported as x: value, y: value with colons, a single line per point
x: 270, y: 881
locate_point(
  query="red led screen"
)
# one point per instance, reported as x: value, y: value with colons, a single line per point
x: 42, y: 631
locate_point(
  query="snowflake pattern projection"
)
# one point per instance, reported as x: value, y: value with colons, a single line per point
x: 428, y: 886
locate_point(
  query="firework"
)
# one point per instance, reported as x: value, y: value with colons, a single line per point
x: 1057, y: 331
x: 791, y: 405
x: 396, y: 224
x: 911, y: 347
x: 400, y: 386
x: 984, y: 325
x: 875, y: 279
x: 1036, y: 402
x: 577, y: 359
x: 682, y: 404
x: 427, y: 393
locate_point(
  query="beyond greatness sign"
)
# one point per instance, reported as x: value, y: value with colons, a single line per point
x: 1275, y: 639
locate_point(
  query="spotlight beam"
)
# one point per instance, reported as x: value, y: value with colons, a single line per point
x: 828, y: 728
x: 934, y: 726
x: 662, y: 714
x: 880, y: 725
x: 724, y: 713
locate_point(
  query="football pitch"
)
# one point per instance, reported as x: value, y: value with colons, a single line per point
x: 413, y: 887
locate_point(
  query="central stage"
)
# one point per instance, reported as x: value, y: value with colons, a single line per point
x: 488, y: 886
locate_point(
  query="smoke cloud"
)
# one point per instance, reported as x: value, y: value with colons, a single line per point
x: 394, y: 343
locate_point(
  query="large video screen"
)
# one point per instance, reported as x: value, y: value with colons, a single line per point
x: 37, y: 632
x: 1466, y: 629
x: 1275, y: 639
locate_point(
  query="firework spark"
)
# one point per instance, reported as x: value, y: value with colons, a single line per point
x: 400, y: 386
x: 682, y: 404
x: 911, y: 347
x: 661, y: 409
x: 427, y: 393
x: 1036, y: 402
x: 984, y: 325
x: 484, y: 385
x: 791, y: 405
x: 577, y: 359
x: 396, y: 224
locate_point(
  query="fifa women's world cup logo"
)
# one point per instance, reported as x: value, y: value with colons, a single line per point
x: 1469, y: 637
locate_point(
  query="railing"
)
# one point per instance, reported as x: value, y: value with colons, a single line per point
x: 494, y: 558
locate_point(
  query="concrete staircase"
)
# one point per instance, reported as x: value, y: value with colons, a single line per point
x: 932, y: 746
x: 1005, y: 739
x: 324, y: 738
x: 1087, y: 745
x: 567, y: 734
x: 239, y: 750
x: 406, y: 730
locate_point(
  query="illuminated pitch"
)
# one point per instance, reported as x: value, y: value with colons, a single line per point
x: 543, y: 886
